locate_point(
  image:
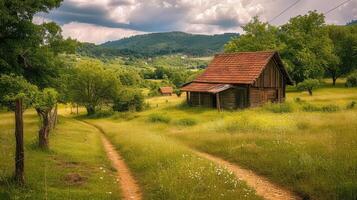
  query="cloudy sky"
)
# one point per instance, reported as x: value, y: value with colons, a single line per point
x: 98, y: 21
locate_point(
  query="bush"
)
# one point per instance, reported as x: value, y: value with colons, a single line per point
x: 310, y: 108
x: 155, y: 118
x: 330, y: 108
x: 178, y: 92
x: 351, y: 105
x: 129, y: 100
x: 279, y: 107
x: 326, y: 108
x: 187, y: 122
x: 352, y: 80
x: 101, y: 114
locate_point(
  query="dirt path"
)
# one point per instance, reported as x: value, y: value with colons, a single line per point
x: 262, y: 186
x: 128, y: 185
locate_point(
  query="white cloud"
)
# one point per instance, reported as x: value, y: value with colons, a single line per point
x: 95, y: 34
x: 130, y: 17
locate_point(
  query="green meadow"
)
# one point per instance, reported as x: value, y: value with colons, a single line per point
x: 307, y: 145
x: 75, y: 167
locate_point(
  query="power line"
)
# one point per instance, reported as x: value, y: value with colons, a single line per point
x: 286, y: 9
x: 339, y: 5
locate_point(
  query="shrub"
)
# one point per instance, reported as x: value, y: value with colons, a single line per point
x: 155, y: 118
x: 352, y: 80
x: 101, y: 114
x: 279, y: 107
x: 308, y: 85
x: 330, y: 108
x: 187, y: 122
x: 310, y: 108
x: 351, y: 105
x: 178, y: 92
x: 129, y: 100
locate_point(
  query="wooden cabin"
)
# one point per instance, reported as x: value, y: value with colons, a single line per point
x: 166, y: 91
x: 239, y: 80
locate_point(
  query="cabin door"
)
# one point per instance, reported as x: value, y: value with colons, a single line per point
x: 241, y: 98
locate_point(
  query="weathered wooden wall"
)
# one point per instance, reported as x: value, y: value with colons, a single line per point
x: 228, y: 99
x: 269, y: 87
x: 201, y: 99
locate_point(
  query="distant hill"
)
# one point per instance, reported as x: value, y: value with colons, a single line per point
x: 155, y: 44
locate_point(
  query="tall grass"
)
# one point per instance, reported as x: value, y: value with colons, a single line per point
x: 167, y: 169
x: 76, y: 166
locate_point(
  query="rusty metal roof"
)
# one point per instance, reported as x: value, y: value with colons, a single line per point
x: 206, y: 87
x: 239, y: 68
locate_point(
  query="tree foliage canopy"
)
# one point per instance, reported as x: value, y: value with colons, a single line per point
x: 308, y: 47
x: 14, y: 87
x: 92, y: 85
x: 259, y: 36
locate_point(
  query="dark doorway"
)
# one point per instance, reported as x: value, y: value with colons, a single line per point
x: 214, y: 100
x: 242, y: 98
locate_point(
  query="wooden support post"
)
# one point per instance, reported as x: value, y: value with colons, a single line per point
x: 218, y: 103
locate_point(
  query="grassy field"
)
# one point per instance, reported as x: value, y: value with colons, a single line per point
x: 308, y: 144
x: 74, y: 168
x: 166, y: 169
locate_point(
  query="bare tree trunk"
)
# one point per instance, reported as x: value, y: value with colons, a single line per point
x: 19, y: 134
x: 334, y: 81
x: 310, y: 92
x: 44, y: 130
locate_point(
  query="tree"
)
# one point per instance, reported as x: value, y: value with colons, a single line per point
x: 92, y: 85
x: 344, y: 40
x: 259, y: 36
x: 309, y: 85
x: 24, y: 46
x: 45, y: 106
x: 129, y: 99
x: 308, y: 50
x: 17, y: 94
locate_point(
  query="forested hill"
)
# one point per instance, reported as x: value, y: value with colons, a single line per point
x: 155, y: 44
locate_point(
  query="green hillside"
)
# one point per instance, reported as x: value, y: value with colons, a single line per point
x: 154, y: 44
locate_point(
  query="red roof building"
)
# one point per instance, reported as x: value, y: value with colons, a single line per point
x: 238, y: 80
x: 166, y: 91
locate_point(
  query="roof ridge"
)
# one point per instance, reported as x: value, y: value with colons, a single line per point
x: 246, y: 52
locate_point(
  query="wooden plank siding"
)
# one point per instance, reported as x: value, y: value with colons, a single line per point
x: 269, y: 87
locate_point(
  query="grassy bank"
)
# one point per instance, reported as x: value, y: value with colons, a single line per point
x: 75, y: 168
x: 166, y: 169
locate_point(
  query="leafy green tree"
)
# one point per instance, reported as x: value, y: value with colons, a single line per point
x: 129, y: 99
x: 308, y: 50
x: 259, y: 36
x: 29, y: 49
x: 344, y: 40
x: 92, y: 85
x: 308, y: 85
x: 17, y: 94
x: 45, y: 105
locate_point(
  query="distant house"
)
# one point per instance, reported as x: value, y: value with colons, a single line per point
x: 166, y: 91
x: 239, y: 80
